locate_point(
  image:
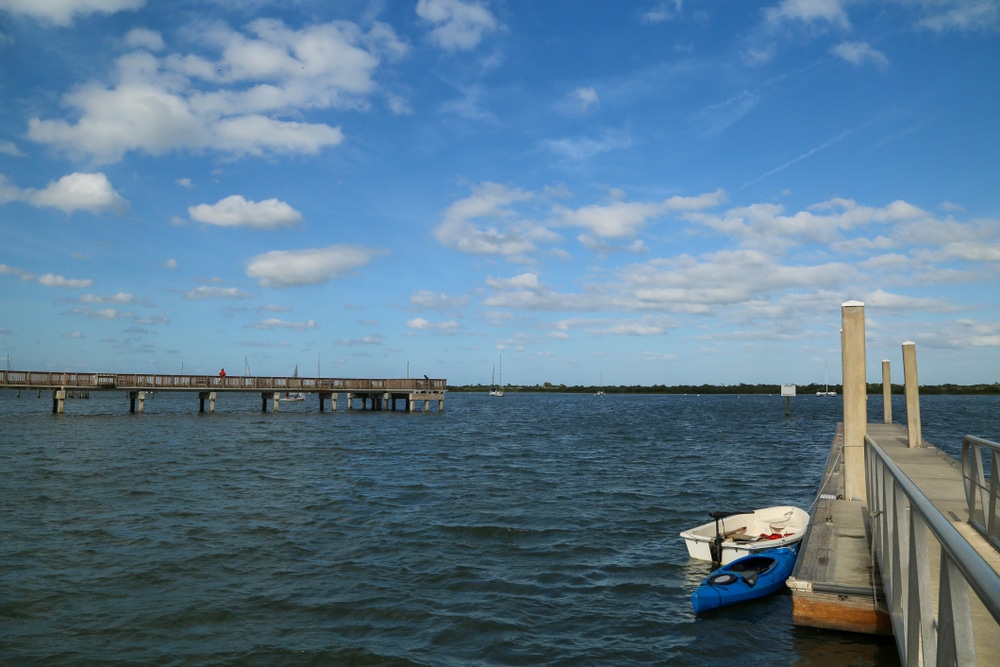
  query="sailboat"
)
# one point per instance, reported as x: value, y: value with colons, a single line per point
x: 827, y: 392
x: 497, y: 389
x: 296, y: 396
x: 600, y: 391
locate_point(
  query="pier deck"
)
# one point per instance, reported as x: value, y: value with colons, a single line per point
x: 836, y: 584
x: 379, y: 392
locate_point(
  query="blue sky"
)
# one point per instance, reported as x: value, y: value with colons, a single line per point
x: 662, y: 192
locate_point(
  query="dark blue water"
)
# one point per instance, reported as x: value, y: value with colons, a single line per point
x: 524, y: 530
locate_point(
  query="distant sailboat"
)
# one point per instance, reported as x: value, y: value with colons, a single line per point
x: 497, y: 389
x: 297, y: 396
x: 827, y: 392
x: 600, y: 390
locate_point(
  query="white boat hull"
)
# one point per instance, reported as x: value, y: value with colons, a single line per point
x: 763, y: 529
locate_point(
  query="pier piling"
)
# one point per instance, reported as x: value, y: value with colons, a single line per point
x: 855, y: 395
x: 912, y: 390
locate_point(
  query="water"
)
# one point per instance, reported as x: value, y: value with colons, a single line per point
x: 524, y: 530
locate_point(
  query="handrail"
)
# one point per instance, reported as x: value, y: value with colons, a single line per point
x: 49, y: 380
x: 981, y: 492
x: 933, y: 625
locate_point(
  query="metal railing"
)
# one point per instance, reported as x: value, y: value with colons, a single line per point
x: 45, y: 380
x: 981, y: 489
x: 933, y: 625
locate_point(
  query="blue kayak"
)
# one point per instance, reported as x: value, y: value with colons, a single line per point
x: 745, y: 579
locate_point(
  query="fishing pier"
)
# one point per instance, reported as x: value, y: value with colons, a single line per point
x: 373, y: 394
x: 903, y: 539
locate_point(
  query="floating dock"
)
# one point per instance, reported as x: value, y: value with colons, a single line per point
x: 374, y: 394
x: 903, y: 539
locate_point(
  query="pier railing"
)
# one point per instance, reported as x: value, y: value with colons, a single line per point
x: 45, y: 380
x: 981, y: 474
x: 932, y: 627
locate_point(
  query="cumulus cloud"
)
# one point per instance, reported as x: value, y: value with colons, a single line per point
x: 233, y: 97
x: 73, y: 192
x: 211, y: 292
x: 288, y: 268
x: 420, y: 324
x: 464, y: 229
x: 10, y: 148
x: 275, y: 323
x: 624, y: 219
x: 860, y: 53
x: 459, y: 25
x: 64, y: 12
x: 54, y: 280
x: 437, y: 300
x: 809, y: 11
x: 141, y: 38
x: 235, y: 211
x: 120, y: 297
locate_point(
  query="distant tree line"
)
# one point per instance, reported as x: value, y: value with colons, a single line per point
x: 742, y: 388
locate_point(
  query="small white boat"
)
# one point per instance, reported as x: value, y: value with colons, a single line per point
x: 732, y: 535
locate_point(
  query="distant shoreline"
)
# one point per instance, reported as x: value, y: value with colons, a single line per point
x: 801, y: 390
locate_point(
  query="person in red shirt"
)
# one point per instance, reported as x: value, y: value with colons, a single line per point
x: 222, y: 373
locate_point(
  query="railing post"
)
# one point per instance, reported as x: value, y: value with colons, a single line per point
x: 855, y: 394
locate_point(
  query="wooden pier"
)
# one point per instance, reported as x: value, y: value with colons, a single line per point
x: 903, y: 539
x: 373, y: 394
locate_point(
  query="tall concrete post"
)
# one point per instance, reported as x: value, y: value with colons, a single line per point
x: 912, y: 390
x: 886, y: 393
x: 855, y: 395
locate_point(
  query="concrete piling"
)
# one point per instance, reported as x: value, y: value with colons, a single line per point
x: 855, y: 397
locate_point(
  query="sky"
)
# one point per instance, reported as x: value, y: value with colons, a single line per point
x: 642, y: 193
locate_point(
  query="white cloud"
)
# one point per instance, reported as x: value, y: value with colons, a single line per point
x: 185, y: 183
x: 809, y: 11
x: 141, y: 38
x: 860, y: 53
x: 507, y: 236
x: 624, y: 219
x: 274, y: 323
x: 10, y: 148
x: 662, y: 12
x: 53, y: 280
x: 102, y: 314
x: 208, y: 292
x: 967, y: 15
x: 887, y: 301
x: 169, y: 264
x: 63, y: 12
x: 80, y: 192
x: 459, y: 25
x: 232, y: 99
x: 767, y: 226
x: 288, y: 268
x: 372, y: 339
x: 235, y: 211
x: 437, y: 300
x: 120, y: 297
x: 420, y: 324
x: 585, y: 147
x: 586, y: 96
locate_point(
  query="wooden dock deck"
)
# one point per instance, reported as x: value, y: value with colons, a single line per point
x: 836, y: 583
x: 375, y: 394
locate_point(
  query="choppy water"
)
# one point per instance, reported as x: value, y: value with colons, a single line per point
x: 527, y: 530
